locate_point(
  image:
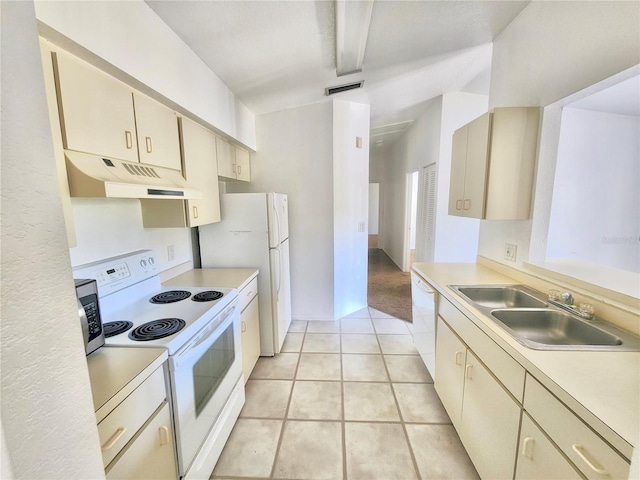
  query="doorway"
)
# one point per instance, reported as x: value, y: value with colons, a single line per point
x: 410, y: 220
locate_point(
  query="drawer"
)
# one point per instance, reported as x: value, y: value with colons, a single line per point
x: 248, y: 292
x: 586, y: 449
x: 117, y: 428
x: 501, y: 364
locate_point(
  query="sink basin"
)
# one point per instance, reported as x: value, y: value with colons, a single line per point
x: 537, y: 328
x: 512, y: 296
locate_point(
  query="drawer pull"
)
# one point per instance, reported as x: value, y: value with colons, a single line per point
x: 249, y: 293
x: 579, y: 449
x: 114, y: 438
x: 467, y: 372
x: 458, y: 358
x: 164, y: 435
x: 527, y: 446
x: 244, y: 327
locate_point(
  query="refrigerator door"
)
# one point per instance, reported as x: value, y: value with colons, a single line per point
x: 278, y: 209
x: 280, y: 293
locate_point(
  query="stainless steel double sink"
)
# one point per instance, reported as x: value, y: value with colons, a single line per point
x: 529, y: 318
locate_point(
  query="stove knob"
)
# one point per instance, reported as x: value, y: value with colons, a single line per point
x: 143, y: 263
x: 151, y: 261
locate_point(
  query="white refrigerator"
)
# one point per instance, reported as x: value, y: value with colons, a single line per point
x: 254, y: 233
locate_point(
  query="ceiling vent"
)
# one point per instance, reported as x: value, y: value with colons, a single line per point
x: 343, y: 88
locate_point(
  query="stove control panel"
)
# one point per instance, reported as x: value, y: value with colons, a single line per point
x: 115, y: 273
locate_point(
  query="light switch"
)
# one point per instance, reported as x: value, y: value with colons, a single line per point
x: 358, y: 142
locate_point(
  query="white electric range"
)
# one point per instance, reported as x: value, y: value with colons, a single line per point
x: 199, y: 327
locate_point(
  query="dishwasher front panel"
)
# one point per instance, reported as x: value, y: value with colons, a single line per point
x: 424, y: 310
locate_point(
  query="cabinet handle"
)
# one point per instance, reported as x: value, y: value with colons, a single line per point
x: 149, y: 144
x: 164, y: 435
x: 195, y: 212
x: 239, y: 170
x: 114, y: 438
x: 244, y: 327
x: 128, y: 139
x: 458, y: 204
x: 467, y: 204
x: 467, y: 372
x: 596, y: 467
x: 527, y: 445
x: 457, y: 359
x: 233, y: 168
x: 249, y: 293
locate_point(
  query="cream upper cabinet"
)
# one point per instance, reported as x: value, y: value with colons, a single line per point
x: 233, y: 161
x: 157, y: 132
x: 96, y: 110
x: 200, y: 169
x: 226, y: 158
x: 103, y: 116
x: 492, y: 165
x: 243, y: 168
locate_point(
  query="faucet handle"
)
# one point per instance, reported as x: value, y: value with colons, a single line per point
x: 554, y: 294
x: 586, y: 310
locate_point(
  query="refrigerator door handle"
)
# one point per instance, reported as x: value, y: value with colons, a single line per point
x: 278, y: 270
x: 278, y: 239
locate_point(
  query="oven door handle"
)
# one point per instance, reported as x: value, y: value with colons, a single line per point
x: 193, y: 346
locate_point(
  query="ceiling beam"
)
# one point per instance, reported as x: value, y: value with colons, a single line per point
x: 352, y: 28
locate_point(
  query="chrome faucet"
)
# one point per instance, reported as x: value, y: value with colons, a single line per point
x: 565, y: 301
x: 567, y: 298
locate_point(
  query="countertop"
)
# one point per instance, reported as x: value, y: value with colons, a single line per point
x: 602, y: 387
x: 214, y: 277
x: 115, y: 372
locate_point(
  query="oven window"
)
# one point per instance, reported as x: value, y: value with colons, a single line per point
x: 209, y: 371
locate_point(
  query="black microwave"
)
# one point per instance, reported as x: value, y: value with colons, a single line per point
x: 89, y: 313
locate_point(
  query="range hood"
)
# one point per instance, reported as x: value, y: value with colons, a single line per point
x: 96, y: 176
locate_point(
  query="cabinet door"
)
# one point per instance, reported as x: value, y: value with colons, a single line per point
x: 450, y: 361
x: 200, y: 168
x: 226, y: 154
x: 538, y: 458
x: 96, y: 110
x: 490, y: 422
x: 475, y: 179
x: 250, y: 337
x: 150, y: 455
x: 243, y: 167
x: 157, y: 127
x: 458, y: 165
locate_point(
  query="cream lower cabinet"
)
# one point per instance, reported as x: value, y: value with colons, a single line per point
x: 151, y: 453
x: 591, y: 455
x: 250, y: 318
x: 538, y: 457
x: 486, y: 417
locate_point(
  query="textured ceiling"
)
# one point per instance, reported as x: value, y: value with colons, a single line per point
x: 276, y: 55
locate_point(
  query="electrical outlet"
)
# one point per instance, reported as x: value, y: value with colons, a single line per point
x: 510, y: 252
x: 171, y: 253
x: 361, y: 226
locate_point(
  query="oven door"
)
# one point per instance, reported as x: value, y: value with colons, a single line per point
x: 203, y: 374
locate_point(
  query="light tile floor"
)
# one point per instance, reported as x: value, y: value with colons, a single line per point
x: 344, y: 400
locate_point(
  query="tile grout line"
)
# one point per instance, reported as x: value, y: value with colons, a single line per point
x: 286, y: 411
x: 402, y: 422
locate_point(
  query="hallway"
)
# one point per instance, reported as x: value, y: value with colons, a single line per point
x: 388, y: 288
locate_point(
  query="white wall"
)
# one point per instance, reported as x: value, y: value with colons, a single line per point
x: 552, y: 50
x: 295, y: 156
x: 350, y: 206
x: 107, y: 227
x: 420, y: 145
x: 456, y: 237
x: 595, y: 214
x: 132, y: 38
x: 48, y: 420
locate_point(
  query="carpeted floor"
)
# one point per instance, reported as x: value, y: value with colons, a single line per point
x: 389, y: 289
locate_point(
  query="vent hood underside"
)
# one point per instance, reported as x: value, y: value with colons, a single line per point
x: 97, y: 176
